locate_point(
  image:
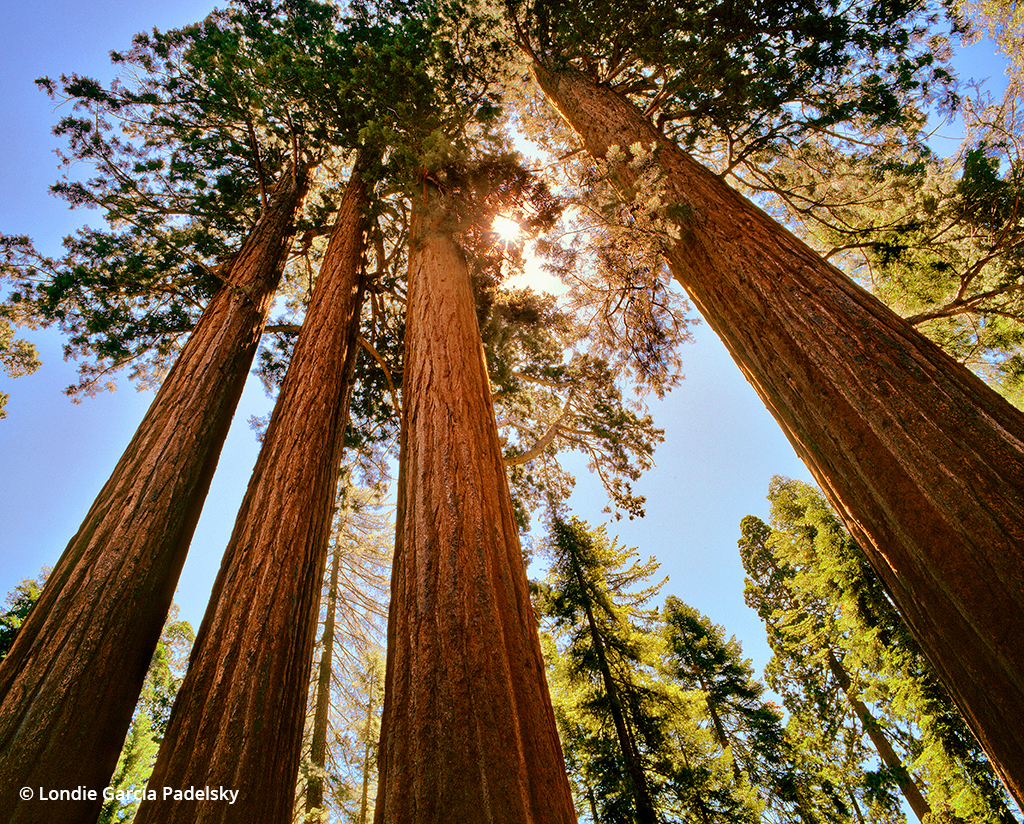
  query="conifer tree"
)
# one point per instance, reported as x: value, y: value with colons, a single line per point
x: 629, y: 704
x: 826, y: 713
x: 605, y: 646
x: 109, y: 594
x: 467, y: 729
x: 149, y: 723
x: 255, y: 645
x: 938, y: 239
x: 833, y: 626
x: 88, y: 624
x: 347, y: 687
x: 747, y: 728
x: 18, y: 605
x: 856, y: 389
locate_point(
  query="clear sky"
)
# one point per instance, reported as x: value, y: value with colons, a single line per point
x: 721, y: 446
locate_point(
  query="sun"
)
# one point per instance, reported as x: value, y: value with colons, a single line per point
x: 508, y: 230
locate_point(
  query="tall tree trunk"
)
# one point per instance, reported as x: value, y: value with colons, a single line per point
x: 911, y: 792
x: 318, y: 754
x: 924, y: 462
x: 468, y: 731
x: 634, y: 769
x: 367, y: 749
x: 70, y: 683
x: 238, y: 718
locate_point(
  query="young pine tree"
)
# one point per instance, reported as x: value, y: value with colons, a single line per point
x: 613, y: 726
x: 747, y: 729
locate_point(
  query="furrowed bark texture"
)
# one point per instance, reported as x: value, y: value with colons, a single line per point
x: 468, y: 732
x: 69, y: 685
x: 238, y: 718
x: 924, y: 462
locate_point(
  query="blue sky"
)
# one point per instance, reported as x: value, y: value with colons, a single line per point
x: 721, y: 445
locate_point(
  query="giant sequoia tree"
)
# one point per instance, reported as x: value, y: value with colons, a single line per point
x: 468, y: 730
x: 924, y: 462
x: 255, y: 645
x: 106, y: 600
x: 108, y: 596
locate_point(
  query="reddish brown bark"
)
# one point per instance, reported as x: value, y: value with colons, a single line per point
x: 70, y: 683
x: 237, y: 720
x: 924, y: 462
x: 468, y: 732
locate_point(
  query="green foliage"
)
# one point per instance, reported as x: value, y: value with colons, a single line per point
x: 183, y: 148
x: 939, y: 240
x: 179, y: 151
x: 610, y: 708
x: 748, y: 730
x: 828, y: 735
x: 666, y: 690
x: 551, y: 395
x: 166, y: 671
x: 17, y: 607
x: 135, y: 764
x: 18, y: 357
x: 827, y: 615
x: 747, y: 76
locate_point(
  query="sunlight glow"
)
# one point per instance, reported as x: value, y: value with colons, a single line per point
x: 507, y: 229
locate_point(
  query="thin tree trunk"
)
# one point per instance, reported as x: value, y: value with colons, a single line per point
x: 720, y: 734
x: 318, y: 753
x: 468, y: 731
x: 911, y: 792
x: 364, y: 800
x: 238, y: 718
x: 641, y: 791
x: 70, y: 683
x: 856, y: 807
x: 593, y: 802
x: 924, y: 462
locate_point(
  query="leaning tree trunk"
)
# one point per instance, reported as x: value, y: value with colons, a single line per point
x: 70, y: 683
x: 924, y: 462
x: 892, y: 762
x: 237, y: 720
x: 468, y: 731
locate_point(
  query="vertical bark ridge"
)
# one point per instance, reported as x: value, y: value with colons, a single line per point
x: 924, y: 462
x: 238, y: 718
x: 468, y: 731
x: 69, y: 685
